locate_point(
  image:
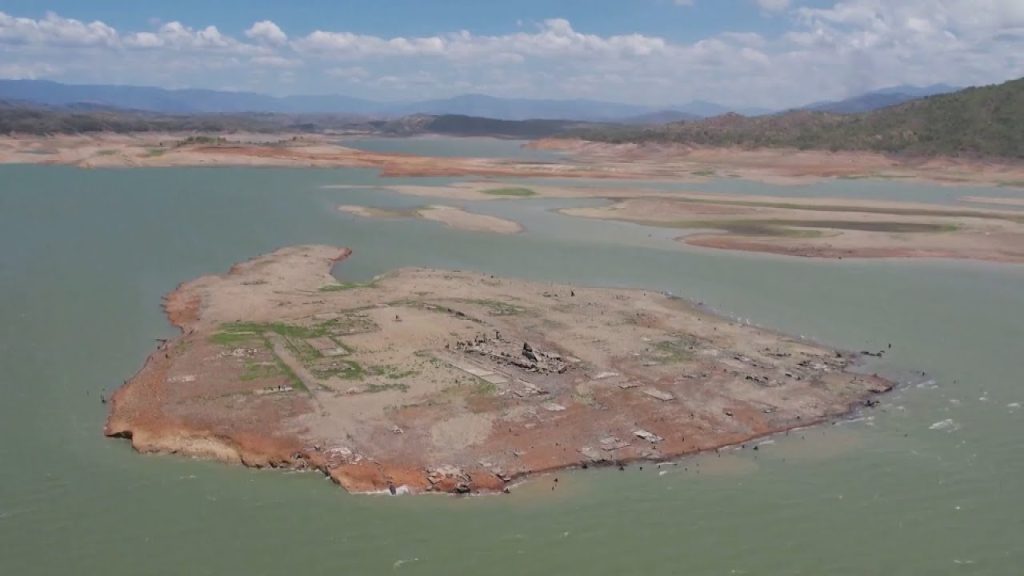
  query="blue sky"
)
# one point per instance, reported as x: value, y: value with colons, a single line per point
x: 769, y: 53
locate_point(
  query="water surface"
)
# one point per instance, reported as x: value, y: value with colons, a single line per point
x: 85, y: 256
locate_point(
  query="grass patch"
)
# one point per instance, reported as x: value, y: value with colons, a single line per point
x: 484, y: 388
x: 391, y: 372
x: 154, y: 152
x: 236, y: 329
x: 705, y: 173
x: 293, y: 378
x: 343, y: 286
x: 393, y: 386
x: 261, y: 370
x: 234, y: 338
x: 345, y: 369
x: 497, y: 307
x: 1012, y: 184
x: 518, y: 192
x: 673, y: 351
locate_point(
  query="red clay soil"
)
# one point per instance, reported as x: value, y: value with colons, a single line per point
x: 724, y: 398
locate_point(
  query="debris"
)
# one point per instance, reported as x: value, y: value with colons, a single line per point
x: 659, y: 394
x: 528, y: 352
x: 553, y: 407
x: 610, y: 443
x: 649, y: 436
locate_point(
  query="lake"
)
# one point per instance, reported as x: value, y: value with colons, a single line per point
x: 927, y: 483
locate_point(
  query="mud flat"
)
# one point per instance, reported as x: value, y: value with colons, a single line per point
x: 827, y: 228
x: 448, y: 215
x: 582, y: 159
x: 429, y: 380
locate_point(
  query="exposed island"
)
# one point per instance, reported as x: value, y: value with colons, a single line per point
x: 430, y: 380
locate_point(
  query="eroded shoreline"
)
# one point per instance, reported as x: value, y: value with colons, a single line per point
x: 582, y: 159
x: 441, y: 381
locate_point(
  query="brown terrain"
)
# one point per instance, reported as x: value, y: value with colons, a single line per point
x: 993, y: 230
x: 582, y: 159
x: 828, y: 228
x: 791, y: 226
x: 448, y: 215
x: 429, y: 380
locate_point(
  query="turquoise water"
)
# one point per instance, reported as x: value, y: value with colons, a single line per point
x: 86, y: 255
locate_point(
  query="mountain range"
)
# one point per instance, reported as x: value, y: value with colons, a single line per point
x: 883, y: 98
x: 198, y: 101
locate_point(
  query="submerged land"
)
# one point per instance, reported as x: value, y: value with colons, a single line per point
x: 981, y: 228
x: 431, y: 380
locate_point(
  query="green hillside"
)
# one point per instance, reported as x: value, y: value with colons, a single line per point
x: 984, y: 122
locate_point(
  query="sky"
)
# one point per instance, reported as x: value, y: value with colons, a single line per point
x: 742, y: 53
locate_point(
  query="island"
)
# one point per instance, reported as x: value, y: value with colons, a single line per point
x: 450, y: 381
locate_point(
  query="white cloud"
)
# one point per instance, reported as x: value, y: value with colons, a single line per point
x: 276, y: 62
x: 773, y: 5
x: 268, y: 32
x: 827, y: 52
x: 55, y: 31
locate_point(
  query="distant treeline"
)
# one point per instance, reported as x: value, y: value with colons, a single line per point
x: 18, y: 118
x: 979, y: 122
x: 21, y: 118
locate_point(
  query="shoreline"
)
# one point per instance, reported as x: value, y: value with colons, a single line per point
x: 166, y: 406
x: 582, y: 160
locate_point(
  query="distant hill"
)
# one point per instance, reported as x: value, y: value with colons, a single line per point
x: 177, y: 101
x: 190, y: 101
x: 29, y: 118
x: 660, y: 117
x: 520, y: 108
x: 461, y: 125
x: 704, y: 109
x: 880, y: 99
x: 986, y: 121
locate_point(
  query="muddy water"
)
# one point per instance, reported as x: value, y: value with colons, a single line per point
x: 928, y: 483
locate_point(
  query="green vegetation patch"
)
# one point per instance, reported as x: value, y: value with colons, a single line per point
x: 519, y: 192
x: 261, y: 370
x: 343, y: 286
x: 391, y: 386
x: 202, y: 140
x: 345, y: 369
x: 497, y: 307
x: 391, y: 372
x: 673, y: 351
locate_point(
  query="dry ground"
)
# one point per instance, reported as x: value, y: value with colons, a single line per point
x: 455, y: 381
